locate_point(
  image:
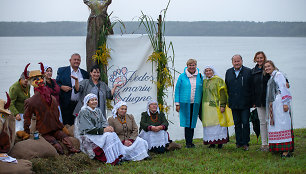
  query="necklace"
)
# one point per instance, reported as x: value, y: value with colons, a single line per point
x: 119, y: 119
x: 154, y: 119
x: 24, y: 90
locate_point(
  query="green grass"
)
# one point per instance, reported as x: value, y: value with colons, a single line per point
x: 196, y: 160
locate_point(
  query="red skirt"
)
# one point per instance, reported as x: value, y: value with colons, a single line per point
x: 223, y: 141
x: 282, y: 147
x: 99, y: 155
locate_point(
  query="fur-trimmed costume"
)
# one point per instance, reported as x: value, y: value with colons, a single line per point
x: 45, y: 107
x: 46, y: 115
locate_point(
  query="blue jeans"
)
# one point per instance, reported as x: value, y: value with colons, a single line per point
x: 242, y: 126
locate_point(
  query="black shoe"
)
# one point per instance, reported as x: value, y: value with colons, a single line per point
x: 190, y: 146
x: 246, y: 148
x: 148, y: 158
x: 120, y: 162
x: 220, y: 146
x: 212, y: 146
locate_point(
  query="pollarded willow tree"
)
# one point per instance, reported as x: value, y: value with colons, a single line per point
x: 98, y: 27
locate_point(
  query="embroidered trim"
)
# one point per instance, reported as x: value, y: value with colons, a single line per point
x: 286, y: 96
x: 281, y: 135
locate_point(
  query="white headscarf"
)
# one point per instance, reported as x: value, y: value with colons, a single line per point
x: 46, y: 67
x: 148, y: 105
x: 211, y: 67
x: 86, y: 99
x: 116, y: 107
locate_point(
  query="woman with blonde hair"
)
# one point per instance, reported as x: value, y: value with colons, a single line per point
x: 188, y: 93
x: 280, y: 131
x: 259, y: 90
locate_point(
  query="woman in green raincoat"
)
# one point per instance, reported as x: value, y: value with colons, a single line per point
x: 216, y: 116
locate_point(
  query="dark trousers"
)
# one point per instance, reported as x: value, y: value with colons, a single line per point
x: 54, y: 136
x: 242, y: 126
x: 67, y: 113
x: 189, y: 132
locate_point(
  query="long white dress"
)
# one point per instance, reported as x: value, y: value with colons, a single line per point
x: 109, y: 142
x: 280, y: 134
x: 155, y: 139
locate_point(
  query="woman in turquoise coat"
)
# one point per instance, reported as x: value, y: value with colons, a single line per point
x: 188, y: 92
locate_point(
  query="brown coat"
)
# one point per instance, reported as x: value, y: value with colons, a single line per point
x: 47, y: 117
x: 7, y: 133
x: 124, y: 131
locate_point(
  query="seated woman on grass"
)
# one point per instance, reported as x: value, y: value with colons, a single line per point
x: 97, y: 139
x: 153, y: 129
x: 127, y: 130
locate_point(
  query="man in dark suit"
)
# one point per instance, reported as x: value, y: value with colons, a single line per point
x: 68, y: 98
x: 238, y: 81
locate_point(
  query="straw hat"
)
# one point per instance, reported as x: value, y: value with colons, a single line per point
x: 2, y: 103
x: 35, y: 73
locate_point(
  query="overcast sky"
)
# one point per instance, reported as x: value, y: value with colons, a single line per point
x: 179, y: 10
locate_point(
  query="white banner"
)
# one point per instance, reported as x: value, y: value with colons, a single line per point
x: 128, y: 66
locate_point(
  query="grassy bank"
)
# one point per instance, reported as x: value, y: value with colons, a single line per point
x: 196, y: 160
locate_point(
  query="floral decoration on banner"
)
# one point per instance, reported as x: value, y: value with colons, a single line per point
x: 160, y: 56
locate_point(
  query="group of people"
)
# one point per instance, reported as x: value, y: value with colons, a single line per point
x: 78, y: 98
x: 219, y: 102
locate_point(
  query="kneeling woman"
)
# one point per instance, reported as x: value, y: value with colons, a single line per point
x: 153, y: 127
x: 97, y: 139
x: 126, y: 128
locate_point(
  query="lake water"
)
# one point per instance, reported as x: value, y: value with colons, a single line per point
x: 288, y: 54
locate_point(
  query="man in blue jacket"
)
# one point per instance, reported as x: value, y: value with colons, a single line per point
x: 238, y: 84
x: 68, y: 98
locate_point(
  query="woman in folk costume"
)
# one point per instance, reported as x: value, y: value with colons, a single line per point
x: 214, y: 100
x: 153, y: 128
x: 126, y: 128
x: 280, y: 131
x: 188, y: 93
x: 7, y: 126
x: 45, y: 107
x: 97, y: 139
x: 53, y: 87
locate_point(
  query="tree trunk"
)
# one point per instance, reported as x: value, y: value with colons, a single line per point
x: 94, y: 27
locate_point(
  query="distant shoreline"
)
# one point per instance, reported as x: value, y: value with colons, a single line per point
x: 173, y: 28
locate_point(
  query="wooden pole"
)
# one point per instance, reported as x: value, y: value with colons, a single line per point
x: 160, y: 65
x: 159, y: 34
